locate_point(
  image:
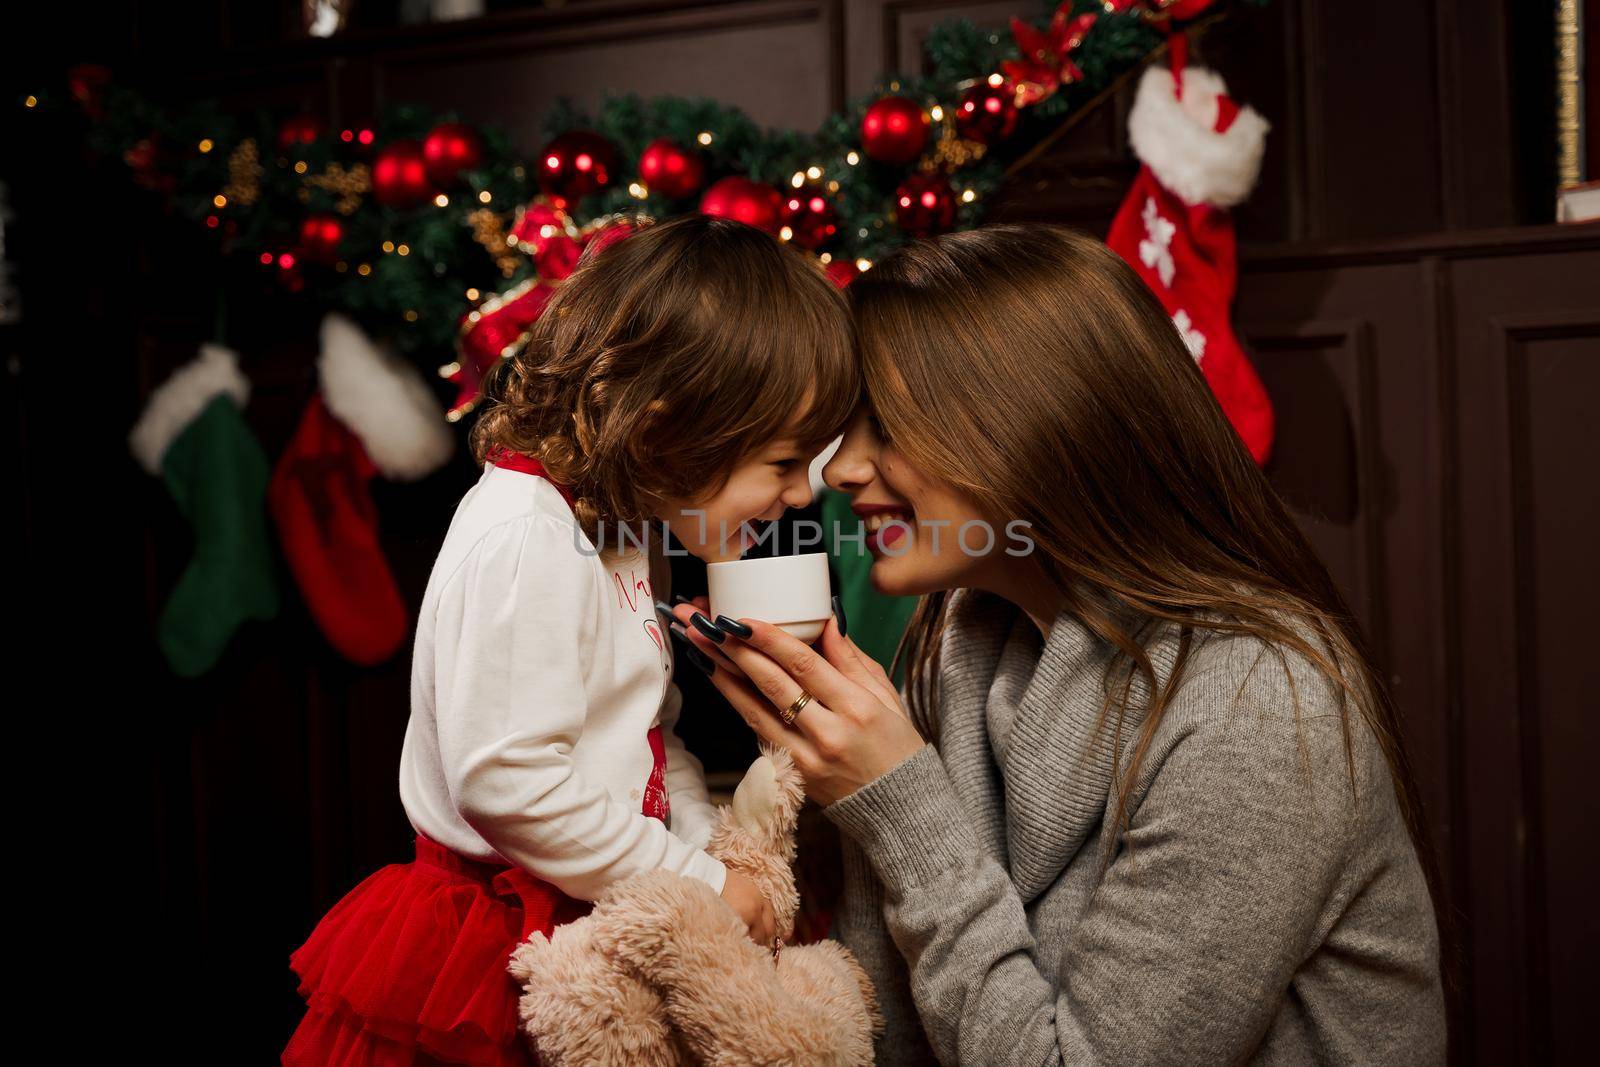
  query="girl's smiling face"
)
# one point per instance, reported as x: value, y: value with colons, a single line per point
x: 923, y: 535
x: 723, y: 525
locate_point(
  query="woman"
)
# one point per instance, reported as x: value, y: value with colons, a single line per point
x: 1150, y: 802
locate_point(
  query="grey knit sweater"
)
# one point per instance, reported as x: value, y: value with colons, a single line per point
x: 1265, y: 911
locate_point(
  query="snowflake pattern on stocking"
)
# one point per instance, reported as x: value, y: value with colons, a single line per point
x: 657, y: 802
x: 1191, y: 336
x: 1155, y: 251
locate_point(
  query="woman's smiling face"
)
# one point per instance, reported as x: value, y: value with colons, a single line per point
x: 923, y: 535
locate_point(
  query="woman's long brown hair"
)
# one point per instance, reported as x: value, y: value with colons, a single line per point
x: 1032, y: 370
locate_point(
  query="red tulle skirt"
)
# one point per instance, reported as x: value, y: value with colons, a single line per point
x: 410, y: 967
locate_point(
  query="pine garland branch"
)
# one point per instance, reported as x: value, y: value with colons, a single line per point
x: 414, y: 271
x: 1120, y: 82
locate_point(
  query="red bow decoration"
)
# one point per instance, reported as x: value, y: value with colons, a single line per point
x: 489, y: 333
x: 1046, y: 64
x: 555, y: 244
x: 549, y: 237
x: 496, y: 328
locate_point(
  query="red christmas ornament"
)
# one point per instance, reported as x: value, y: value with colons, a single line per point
x: 358, y: 139
x: 320, y: 235
x: 843, y: 272
x: 925, y: 204
x: 895, y: 130
x: 148, y: 159
x: 751, y: 203
x: 987, y: 113
x: 575, y: 164
x: 400, y: 175
x: 810, y: 218
x: 671, y: 170
x: 449, y: 149
x: 87, y: 82
x: 298, y: 131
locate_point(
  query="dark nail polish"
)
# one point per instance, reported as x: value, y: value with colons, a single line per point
x: 838, y: 613
x: 665, y: 612
x: 694, y: 655
x: 679, y: 598
x: 733, y: 626
x: 704, y: 625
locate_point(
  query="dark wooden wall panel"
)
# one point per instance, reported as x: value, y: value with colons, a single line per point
x: 1528, y: 335
x: 1437, y: 407
x: 781, y: 56
x: 1323, y: 371
x: 1347, y: 109
x: 1436, y: 439
x: 1555, y: 377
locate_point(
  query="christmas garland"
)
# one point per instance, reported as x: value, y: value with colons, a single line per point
x: 435, y: 231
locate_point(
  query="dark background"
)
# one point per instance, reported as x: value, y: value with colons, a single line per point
x: 1431, y: 342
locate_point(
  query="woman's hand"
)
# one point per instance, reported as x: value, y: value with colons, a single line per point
x: 854, y: 729
x: 746, y: 900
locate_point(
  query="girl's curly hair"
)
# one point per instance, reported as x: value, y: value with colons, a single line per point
x: 665, y: 359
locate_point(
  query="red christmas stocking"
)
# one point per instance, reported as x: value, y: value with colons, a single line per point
x: 1200, y: 153
x: 373, y: 415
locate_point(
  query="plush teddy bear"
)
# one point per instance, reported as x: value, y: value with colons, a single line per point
x: 662, y: 972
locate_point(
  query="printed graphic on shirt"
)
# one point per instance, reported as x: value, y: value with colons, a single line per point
x: 635, y: 594
x: 633, y: 590
x: 653, y: 628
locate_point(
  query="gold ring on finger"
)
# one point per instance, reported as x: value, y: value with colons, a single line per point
x: 788, y: 714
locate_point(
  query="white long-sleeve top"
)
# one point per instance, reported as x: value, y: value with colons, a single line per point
x: 538, y: 670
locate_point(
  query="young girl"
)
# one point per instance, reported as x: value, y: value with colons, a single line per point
x: 681, y: 378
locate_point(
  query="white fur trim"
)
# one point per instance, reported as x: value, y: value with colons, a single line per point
x: 383, y: 401
x: 1178, y: 141
x: 180, y: 399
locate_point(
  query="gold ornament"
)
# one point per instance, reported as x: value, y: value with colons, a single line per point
x: 489, y: 230
x: 244, y: 174
x: 952, y: 151
x: 348, y: 185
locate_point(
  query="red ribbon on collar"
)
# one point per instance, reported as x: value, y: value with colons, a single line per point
x: 503, y: 457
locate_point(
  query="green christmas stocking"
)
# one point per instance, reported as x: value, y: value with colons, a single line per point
x: 193, y: 435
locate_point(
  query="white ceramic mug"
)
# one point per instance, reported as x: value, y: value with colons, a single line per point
x: 791, y: 592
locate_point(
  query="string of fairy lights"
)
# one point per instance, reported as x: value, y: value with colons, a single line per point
x: 418, y: 224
